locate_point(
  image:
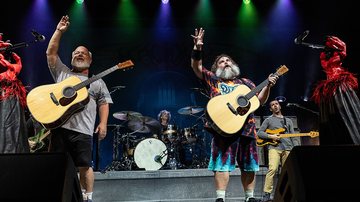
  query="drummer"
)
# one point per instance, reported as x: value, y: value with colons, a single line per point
x: 164, y: 118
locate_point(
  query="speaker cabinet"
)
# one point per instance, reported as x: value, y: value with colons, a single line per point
x: 320, y: 173
x: 39, y: 177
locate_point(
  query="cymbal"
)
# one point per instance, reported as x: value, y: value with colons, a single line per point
x: 126, y: 115
x: 190, y: 110
x: 144, y: 124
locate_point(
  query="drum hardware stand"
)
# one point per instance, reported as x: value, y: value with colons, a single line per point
x: 122, y: 164
x: 198, y: 160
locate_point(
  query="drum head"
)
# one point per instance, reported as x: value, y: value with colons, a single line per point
x: 150, y: 154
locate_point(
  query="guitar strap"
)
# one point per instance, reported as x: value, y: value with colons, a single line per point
x: 285, y: 125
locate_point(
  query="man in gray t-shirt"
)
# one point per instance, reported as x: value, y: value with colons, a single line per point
x: 278, y: 147
x: 76, y: 133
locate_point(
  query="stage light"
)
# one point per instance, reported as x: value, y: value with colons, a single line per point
x: 280, y: 98
x: 247, y: 1
x: 165, y: 1
x: 79, y: 1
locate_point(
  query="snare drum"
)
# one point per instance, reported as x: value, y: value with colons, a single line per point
x: 170, y: 133
x: 188, y: 135
x: 150, y: 154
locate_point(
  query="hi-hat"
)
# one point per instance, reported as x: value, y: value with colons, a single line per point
x: 126, y: 115
x: 190, y: 110
x: 144, y: 124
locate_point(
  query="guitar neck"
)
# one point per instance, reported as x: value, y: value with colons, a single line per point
x: 294, y: 135
x: 257, y: 89
x: 95, y: 77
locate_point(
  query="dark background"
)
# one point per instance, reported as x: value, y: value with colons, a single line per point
x: 158, y: 41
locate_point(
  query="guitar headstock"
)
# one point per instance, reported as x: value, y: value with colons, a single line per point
x: 282, y: 70
x: 313, y: 134
x: 125, y: 65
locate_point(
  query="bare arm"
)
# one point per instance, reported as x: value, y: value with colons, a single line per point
x: 103, y: 119
x: 196, y: 64
x: 265, y: 92
x: 53, y: 47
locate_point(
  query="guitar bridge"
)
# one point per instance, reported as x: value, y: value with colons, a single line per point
x: 53, y: 98
x: 232, y: 109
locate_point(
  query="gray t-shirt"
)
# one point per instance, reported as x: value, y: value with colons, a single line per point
x: 273, y: 123
x: 83, y: 121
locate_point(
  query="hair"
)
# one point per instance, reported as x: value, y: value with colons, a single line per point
x: 164, y: 112
x: 214, y: 65
x: 90, y: 54
x: 273, y: 101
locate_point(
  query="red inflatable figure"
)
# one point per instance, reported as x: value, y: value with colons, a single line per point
x: 13, y: 131
x: 336, y: 97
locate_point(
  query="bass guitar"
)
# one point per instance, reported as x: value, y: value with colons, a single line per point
x: 262, y: 142
x: 53, y: 104
x: 228, y: 112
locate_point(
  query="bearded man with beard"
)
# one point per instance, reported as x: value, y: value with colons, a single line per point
x: 76, y: 134
x: 241, y: 147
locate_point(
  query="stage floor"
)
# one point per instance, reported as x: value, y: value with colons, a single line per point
x: 168, y: 185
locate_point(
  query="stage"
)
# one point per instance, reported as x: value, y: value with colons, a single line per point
x: 168, y: 185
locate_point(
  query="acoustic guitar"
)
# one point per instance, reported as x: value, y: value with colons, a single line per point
x: 229, y: 112
x: 262, y: 142
x: 53, y: 104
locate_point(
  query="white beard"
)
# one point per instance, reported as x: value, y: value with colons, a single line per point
x: 228, y: 73
x: 80, y: 65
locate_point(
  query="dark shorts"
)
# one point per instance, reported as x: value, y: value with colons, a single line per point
x: 78, y: 145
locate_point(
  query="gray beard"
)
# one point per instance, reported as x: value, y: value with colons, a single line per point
x: 80, y: 65
x: 227, y: 73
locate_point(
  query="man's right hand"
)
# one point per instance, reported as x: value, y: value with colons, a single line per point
x: 198, y: 38
x: 63, y: 24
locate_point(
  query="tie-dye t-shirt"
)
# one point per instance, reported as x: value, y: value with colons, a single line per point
x: 218, y: 86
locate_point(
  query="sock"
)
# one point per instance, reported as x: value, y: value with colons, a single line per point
x: 249, y: 194
x: 89, y: 195
x: 220, y: 194
x: 83, y: 194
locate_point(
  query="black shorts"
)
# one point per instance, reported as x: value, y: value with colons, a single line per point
x: 78, y: 145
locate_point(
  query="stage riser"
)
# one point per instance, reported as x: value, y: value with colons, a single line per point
x: 197, y: 185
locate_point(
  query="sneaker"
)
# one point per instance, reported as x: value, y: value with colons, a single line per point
x: 266, y: 197
x: 219, y: 200
x: 252, y: 199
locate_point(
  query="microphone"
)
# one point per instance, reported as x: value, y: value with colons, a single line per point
x: 38, y: 36
x: 197, y: 89
x: 292, y: 105
x: 119, y: 87
x: 300, y: 39
x: 158, y: 158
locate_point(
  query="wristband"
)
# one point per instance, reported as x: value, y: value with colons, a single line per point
x: 196, y: 54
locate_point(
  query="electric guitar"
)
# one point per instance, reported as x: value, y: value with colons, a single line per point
x: 38, y: 140
x: 228, y: 112
x: 262, y: 142
x: 53, y: 104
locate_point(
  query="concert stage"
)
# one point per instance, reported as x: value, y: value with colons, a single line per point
x: 168, y: 185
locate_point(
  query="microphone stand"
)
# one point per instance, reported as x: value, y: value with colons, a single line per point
x: 19, y: 45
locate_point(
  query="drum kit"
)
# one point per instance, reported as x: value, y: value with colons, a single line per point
x: 149, y: 145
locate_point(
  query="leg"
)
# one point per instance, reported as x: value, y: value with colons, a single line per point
x: 248, y: 182
x: 221, y: 180
x: 274, y: 161
x: 87, y: 180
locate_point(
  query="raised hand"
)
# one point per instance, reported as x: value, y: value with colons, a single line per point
x: 198, y: 38
x: 63, y: 24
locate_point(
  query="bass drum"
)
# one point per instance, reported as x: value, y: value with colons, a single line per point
x: 150, y: 154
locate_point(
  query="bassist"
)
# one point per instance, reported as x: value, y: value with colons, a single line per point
x: 277, y: 153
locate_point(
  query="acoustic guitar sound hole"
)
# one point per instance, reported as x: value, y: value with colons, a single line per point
x: 242, y: 101
x: 69, y: 92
